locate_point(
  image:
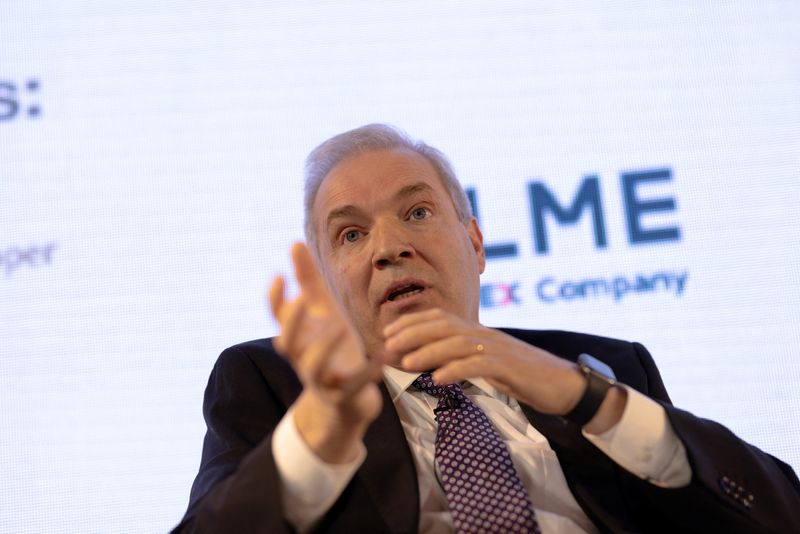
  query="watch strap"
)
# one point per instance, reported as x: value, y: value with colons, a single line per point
x: 596, y: 389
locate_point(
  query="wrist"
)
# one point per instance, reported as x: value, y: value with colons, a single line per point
x: 610, y: 411
x: 333, y: 438
x: 573, y: 388
x: 598, y: 381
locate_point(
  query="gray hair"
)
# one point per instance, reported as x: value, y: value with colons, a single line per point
x: 367, y: 138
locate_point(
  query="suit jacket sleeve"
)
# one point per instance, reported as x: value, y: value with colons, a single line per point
x: 619, y: 501
x: 237, y: 488
x: 735, y: 487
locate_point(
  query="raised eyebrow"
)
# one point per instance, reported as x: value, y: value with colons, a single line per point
x: 413, y: 189
x: 340, y: 213
x: 350, y: 210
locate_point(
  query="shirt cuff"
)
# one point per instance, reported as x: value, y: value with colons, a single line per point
x: 309, y: 486
x: 644, y: 443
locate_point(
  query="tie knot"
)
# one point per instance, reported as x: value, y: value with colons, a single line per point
x: 484, y: 492
x: 424, y: 382
x: 450, y: 393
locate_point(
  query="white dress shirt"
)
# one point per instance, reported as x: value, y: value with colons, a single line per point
x: 642, y: 442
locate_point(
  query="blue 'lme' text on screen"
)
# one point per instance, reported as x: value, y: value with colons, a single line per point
x: 546, y: 210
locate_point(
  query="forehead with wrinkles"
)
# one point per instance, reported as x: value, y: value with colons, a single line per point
x: 365, y: 181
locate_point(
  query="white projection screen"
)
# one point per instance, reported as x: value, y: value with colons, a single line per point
x: 634, y: 166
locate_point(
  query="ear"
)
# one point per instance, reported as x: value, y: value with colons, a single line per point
x: 476, y: 238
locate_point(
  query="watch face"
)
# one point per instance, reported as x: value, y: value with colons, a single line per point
x: 596, y: 365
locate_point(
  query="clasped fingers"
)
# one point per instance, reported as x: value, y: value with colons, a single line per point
x: 416, y: 331
x: 441, y: 352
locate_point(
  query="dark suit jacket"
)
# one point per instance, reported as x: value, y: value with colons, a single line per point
x: 251, y: 387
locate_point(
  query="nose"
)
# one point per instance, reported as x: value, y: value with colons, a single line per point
x: 390, y: 245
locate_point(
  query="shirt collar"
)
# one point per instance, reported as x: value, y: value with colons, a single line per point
x: 398, y: 381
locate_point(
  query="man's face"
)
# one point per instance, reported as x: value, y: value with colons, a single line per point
x: 390, y: 242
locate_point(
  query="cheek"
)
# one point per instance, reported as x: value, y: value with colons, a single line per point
x: 349, y: 284
x: 348, y: 276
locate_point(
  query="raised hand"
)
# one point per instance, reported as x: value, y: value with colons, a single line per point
x: 340, y: 397
x: 459, y: 349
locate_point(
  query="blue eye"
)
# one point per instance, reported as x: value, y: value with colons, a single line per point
x: 420, y: 213
x: 351, y: 236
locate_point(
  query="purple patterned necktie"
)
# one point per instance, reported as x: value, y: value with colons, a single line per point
x: 483, y: 491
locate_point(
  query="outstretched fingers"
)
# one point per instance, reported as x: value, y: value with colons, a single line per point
x: 312, y: 284
x: 289, y: 316
x: 291, y: 323
x: 276, y: 296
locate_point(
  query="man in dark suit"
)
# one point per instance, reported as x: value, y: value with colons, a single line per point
x: 331, y: 435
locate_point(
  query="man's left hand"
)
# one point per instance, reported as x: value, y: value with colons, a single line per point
x: 459, y: 349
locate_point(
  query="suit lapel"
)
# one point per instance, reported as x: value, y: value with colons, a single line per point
x: 587, y: 470
x: 388, y: 473
x: 389, y: 477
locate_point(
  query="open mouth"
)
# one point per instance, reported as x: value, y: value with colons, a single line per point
x: 404, y: 291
